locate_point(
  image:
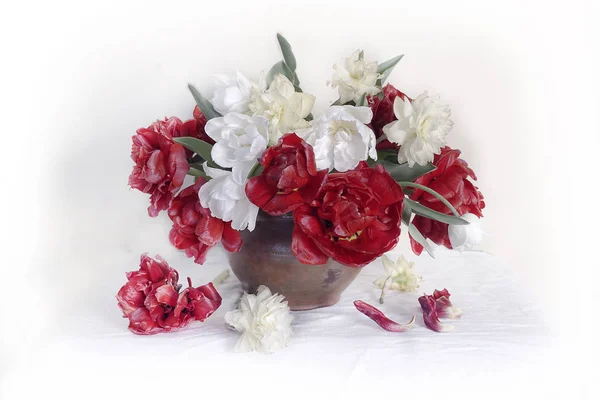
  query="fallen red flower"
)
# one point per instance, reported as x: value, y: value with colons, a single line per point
x: 151, y: 300
x: 380, y: 318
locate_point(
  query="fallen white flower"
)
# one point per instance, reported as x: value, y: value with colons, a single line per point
x: 263, y: 319
x: 400, y: 275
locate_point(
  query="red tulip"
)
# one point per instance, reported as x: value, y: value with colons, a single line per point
x: 383, y: 113
x: 354, y: 218
x: 151, y: 300
x: 195, y: 230
x: 450, y: 179
x: 160, y: 164
x: 289, y: 179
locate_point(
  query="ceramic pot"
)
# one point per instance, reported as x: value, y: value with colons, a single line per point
x: 266, y: 258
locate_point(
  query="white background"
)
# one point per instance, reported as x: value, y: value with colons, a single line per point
x: 78, y: 79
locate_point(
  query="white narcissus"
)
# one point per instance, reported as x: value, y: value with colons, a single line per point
x: 240, y: 141
x: 225, y: 196
x: 464, y: 237
x: 354, y: 78
x: 400, y: 275
x: 263, y: 319
x: 285, y: 108
x: 232, y: 94
x: 420, y: 130
x: 340, y: 137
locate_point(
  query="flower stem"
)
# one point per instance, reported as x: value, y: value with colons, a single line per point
x: 381, y: 138
x: 383, y: 289
x: 221, y: 277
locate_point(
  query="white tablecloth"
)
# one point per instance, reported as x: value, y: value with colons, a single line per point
x: 335, y: 351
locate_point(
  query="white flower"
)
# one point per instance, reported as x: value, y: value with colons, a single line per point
x: 225, y: 196
x: 400, y: 275
x: 421, y: 128
x: 354, y: 77
x: 264, y: 320
x: 464, y: 237
x: 232, y: 94
x: 341, y: 138
x: 240, y: 141
x: 285, y: 108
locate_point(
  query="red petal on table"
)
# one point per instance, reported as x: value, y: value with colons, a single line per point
x: 430, y: 315
x: 381, y: 319
x: 443, y: 305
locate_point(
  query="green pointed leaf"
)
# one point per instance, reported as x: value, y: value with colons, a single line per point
x: 414, y: 232
x: 257, y: 169
x: 281, y: 68
x: 198, y: 146
x: 204, y: 105
x: 427, y: 212
x: 406, y: 214
x: 286, y: 50
x: 431, y: 192
x: 198, y: 173
x: 403, y: 172
x: 386, y: 68
x: 362, y: 101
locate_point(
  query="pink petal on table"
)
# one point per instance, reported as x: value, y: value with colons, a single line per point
x: 430, y: 315
x: 381, y: 319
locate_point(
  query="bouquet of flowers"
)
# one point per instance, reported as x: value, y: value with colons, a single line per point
x: 350, y: 176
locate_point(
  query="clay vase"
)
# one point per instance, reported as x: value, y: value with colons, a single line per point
x: 266, y: 258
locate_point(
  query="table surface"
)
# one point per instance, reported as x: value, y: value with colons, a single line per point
x: 333, y: 349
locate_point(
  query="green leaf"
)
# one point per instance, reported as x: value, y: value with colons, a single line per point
x: 257, y: 169
x: 362, y: 101
x: 204, y: 105
x: 427, y: 212
x: 431, y: 192
x: 402, y: 172
x: 406, y: 214
x: 281, y: 68
x: 387, y: 155
x: 386, y: 68
x: 286, y: 50
x: 198, y: 173
x: 414, y: 232
x: 198, y: 146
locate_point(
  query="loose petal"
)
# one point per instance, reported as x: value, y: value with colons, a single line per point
x: 430, y: 315
x: 381, y: 319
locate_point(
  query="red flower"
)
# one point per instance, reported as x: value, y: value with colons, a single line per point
x: 354, y: 219
x: 383, y: 113
x: 153, y: 304
x: 160, y: 164
x: 195, y: 127
x: 450, y: 179
x: 289, y: 179
x: 438, y: 306
x: 195, y: 230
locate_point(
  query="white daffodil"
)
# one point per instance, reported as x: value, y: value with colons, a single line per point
x: 263, y: 319
x: 420, y: 130
x: 282, y: 106
x: 225, y: 196
x: 240, y: 141
x: 354, y: 77
x: 341, y: 138
x: 400, y: 275
x: 464, y: 237
x: 232, y: 94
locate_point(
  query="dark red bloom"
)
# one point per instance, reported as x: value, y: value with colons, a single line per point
x: 195, y: 127
x: 380, y: 318
x: 195, y: 230
x: 289, y: 179
x: 354, y: 218
x: 151, y: 300
x: 383, y: 113
x: 160, y: 164
x: 450, y: 179
x: 438, y: 306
